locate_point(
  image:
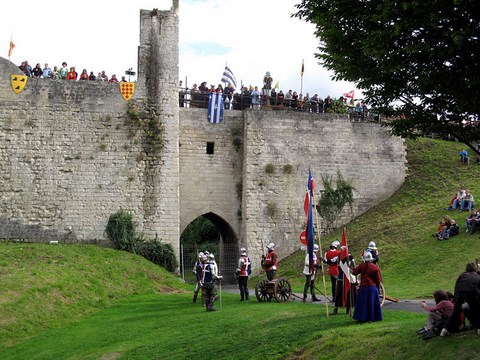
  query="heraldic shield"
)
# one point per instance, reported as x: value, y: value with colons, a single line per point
x: 18, y: 83
x: 127, y: 89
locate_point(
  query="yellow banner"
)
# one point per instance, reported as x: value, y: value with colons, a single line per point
x: 127, y: 89
x: 18, y: 82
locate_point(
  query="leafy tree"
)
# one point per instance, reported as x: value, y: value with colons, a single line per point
x: 200, y: 231
x: 414, y: 60
x: 333, y: 201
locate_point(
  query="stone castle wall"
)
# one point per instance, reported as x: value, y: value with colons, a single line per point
x: 70, y: 156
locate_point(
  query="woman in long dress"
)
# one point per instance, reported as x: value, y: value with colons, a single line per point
x: 367, y: 307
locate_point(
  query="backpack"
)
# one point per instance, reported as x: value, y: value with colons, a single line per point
x: 454, y: 229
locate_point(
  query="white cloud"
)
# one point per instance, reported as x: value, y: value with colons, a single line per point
x: 252, y: 36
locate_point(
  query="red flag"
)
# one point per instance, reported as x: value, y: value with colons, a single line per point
x: 349, y: 94
x: 344, y: 265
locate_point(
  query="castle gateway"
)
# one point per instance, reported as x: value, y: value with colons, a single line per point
x: 73, y: 153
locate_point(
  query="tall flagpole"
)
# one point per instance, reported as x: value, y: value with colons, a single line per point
x: 321, y: 257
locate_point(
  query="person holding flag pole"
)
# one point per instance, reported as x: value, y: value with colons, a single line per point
x: 346, y: 284
x: 308, y: 208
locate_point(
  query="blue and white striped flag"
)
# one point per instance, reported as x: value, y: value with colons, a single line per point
x: 215, y: 108
x: 229, y: 78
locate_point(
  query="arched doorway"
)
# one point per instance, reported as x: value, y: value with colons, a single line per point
x: 209, y: 232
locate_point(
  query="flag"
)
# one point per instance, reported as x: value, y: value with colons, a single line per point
x: 349, y: 94
x: 215, y: 108
x: 303, y: 67
x: 277, y: 85
x: 229, y: 78
x: 308, y: 208
x: 12, y: 45
x: 344, y: 265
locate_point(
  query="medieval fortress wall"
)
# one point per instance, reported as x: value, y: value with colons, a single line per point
x: 70, y: 156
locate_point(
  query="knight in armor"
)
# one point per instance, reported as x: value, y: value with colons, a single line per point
x: 270, y: 261
x: 372, y: 248
x: 198, y: 276
x: 309, y: 273
x: 244, y: 269
x: 211, y: 260
x: 208, y: 278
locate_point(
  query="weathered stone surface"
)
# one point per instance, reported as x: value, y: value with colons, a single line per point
x: 70, y: 157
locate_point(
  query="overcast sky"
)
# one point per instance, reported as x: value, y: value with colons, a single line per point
x: 251, y: 36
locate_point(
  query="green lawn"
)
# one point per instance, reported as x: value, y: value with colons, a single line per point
x: 171, y: 327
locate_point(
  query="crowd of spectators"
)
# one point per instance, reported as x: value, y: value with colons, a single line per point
x: 65, y: 73
x: 252, y: 97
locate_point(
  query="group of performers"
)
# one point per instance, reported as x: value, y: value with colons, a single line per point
x: 364, y: 297
x: 206, y: 273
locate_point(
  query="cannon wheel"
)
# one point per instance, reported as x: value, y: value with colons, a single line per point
x: 382, y: 294
x: 282, y: 290
x: 261, y: 291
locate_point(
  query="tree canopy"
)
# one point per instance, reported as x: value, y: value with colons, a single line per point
x: 416, y: 61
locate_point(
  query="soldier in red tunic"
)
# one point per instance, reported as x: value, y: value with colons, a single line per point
x: 243, y: 271
x: 270, y: 261
x: 332, y: 258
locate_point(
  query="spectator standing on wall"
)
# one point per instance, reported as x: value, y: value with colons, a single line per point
x: 46, y: 72
x: 63, y: 72
x: 37, y: 71
x: 84, y: 75
x: 72, y: 74
x: 255, y: 98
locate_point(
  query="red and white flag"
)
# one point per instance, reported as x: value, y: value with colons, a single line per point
x: 345, y: 266
x: 349, y: 94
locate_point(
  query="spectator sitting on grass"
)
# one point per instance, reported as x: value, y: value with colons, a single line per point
x: 467, y: 202
x: 443, y: 230
x: 437, y: 315
x: 470, y: 221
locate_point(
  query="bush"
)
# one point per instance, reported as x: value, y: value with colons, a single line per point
x: 157, y: 252
x: 121, y: 231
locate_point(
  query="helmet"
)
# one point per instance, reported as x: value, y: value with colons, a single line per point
x: 315, y: 247
x: 200, y: 254
x: 372, y: 245
x: 206, y: 253
x: 243, y: 251
x: 335, y: 244
x: 367, y: 257
x: 211, y: 256
x: 271, y: 246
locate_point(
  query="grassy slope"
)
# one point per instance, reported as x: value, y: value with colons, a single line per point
x: 84, y: 301
x: 45, y: 286
x: 413, y: 263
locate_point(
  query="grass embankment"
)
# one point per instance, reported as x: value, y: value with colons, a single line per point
x: 86, y: 302
x: 414, y: 264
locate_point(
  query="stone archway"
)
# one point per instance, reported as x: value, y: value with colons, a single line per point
x: 225, y: 251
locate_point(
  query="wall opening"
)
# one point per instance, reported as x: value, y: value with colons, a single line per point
x: 210, y: 148
x: 209, y: 232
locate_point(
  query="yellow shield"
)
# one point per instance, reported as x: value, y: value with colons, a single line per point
x: 127, y: 89
x: 18, y: 82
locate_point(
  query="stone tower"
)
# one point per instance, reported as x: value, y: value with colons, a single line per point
x: 157, y: 85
